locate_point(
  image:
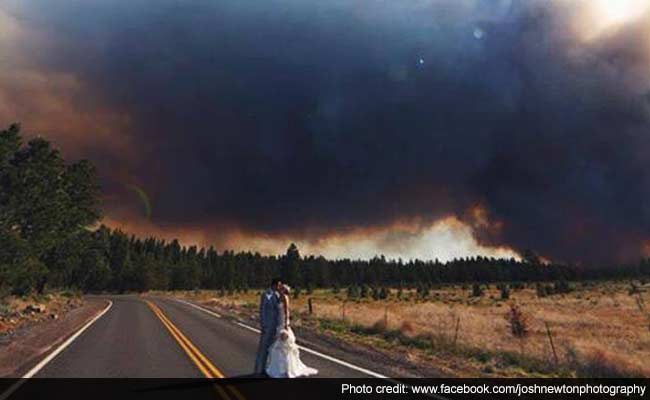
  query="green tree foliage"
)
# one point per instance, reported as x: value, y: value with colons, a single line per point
x: 291, y: 265
x: 44, y: 204
x: 48, y: 208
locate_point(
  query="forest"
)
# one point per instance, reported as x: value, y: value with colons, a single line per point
x: 51, y: 237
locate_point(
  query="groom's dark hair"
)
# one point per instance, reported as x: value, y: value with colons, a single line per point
x: 275, y: 281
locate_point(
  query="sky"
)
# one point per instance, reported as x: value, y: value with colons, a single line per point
x: 415, y: 129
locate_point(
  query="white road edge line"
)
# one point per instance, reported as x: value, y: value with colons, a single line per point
x: 325, y: 356
x: 308, y: 350
x: 214, y: 314
x: 336, y: 360
x: 53, y: 354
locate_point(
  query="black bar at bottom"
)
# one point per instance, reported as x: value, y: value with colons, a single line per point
x: 316, y: 389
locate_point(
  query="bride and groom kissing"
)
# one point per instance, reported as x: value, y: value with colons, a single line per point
x: 278, y: 355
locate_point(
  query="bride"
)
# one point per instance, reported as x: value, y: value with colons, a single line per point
x: 284, y: 355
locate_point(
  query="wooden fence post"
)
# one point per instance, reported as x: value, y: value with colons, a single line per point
x: 550, y: 339
x: 386, y: 317
x: 311, y: 308
x: 456, y: 332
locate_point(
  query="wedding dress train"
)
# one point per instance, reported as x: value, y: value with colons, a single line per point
x: 284, y: 355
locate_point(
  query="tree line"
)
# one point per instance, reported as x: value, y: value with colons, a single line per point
x: 49, y: 211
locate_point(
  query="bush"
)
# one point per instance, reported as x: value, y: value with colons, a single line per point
x: 375, y: 293
x: 505, y: 292
x: 423, y: 291
x: 562, y: 286
x: 354, y: 292
x: 517, y: 322
x: 383, y: 293
x: 335, y: 288
x: 27, y: 277
x: 477, y: 290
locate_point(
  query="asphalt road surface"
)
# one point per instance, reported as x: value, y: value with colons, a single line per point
x: 165, y: 338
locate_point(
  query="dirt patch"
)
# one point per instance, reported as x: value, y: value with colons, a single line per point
x: 18, y: 313
x: 39, y: 328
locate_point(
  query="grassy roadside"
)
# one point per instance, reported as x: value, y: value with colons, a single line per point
x: 18, y: 312
x: 596, y: 330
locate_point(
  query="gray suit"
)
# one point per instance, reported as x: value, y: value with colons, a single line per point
x: 269, y: 319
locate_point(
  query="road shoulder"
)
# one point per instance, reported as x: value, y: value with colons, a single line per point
x: 27, y: 346
x: 353, y: 353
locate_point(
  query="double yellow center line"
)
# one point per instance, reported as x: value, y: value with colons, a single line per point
x: 203, y: 364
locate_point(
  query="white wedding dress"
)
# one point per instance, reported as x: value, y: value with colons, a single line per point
x: 284, y: 355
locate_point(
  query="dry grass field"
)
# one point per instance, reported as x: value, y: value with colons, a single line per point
x: 598, y: 329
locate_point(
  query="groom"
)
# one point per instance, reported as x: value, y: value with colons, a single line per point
x: 269, y: 317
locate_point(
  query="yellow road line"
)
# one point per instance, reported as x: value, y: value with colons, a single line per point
x: 213, y: 370
x: 201, y: 361
x: 180, y: 341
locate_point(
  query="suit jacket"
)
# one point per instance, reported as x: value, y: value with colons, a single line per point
x: 269, y: 313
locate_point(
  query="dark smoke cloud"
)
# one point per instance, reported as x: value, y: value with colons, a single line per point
x: 311, y: 118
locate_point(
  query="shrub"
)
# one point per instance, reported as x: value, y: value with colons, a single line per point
x: 517, y: 322
x: 354, y: 292
x: 477, y: 290
x: 483, y: 357
x: 365, y: 290
x: 423, y: 291
x: 27, y: 277
x: 505, y: 292
x: 562, y: 286
x: 375, y: 293
x: 383, y: 293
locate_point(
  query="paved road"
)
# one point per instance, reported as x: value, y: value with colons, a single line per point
x: 167, y: 339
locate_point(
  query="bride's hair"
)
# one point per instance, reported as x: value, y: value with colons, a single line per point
x: 287, y: 289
